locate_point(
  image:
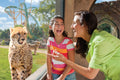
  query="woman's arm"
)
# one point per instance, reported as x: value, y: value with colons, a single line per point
x: 49, y: 71
x: 71, y: 57
x: 89, y: 73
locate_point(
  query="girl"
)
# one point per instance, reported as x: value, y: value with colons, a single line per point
x: 60, y: 43
x: 103, y: 49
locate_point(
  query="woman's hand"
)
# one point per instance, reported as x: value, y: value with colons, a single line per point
x: 57, y: 56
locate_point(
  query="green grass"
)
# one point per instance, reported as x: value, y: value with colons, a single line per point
x: 43, y: 49
x: 38, y: 61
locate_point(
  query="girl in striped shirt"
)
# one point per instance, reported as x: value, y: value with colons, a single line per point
x: 58, y: 42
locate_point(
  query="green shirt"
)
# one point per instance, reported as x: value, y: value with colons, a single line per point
x: 104, y: 54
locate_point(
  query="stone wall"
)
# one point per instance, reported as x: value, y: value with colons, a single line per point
x: 109, y: 13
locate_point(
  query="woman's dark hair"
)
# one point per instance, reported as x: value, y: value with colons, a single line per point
x: 89, y: 19
x: 51, y: 34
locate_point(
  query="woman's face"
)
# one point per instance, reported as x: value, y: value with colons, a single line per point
x: 58, y: 27
x: 77, y: 27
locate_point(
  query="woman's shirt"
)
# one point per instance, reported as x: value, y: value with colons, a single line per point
x: 63, y: 48
x: 104, y: 54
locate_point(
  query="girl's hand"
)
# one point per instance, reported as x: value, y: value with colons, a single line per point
x: 60, y: 78
x: 57, y: 56
x: 49, y: 77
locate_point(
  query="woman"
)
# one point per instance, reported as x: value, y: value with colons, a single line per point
x: 101, y: 48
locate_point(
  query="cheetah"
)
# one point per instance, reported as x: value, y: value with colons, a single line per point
x: 20, y: 56
x: 34, y: 46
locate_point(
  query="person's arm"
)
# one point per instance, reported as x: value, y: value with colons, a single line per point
x: 71, y: 57
x: 89, y: 73
x: 49, y: 71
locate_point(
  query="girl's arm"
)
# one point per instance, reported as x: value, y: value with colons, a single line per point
x: 89, y: 73
x: 49, y: 71
x: 71, y: 57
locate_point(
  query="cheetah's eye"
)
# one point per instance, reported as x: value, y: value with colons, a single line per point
x: 24, y: 33
x: 18, y: 34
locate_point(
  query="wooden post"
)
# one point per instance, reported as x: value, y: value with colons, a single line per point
x: 69, y: 13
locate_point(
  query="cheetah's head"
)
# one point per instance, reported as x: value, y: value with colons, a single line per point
x: 18, y: 36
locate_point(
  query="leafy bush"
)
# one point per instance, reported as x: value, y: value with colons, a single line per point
x: 3, y: 42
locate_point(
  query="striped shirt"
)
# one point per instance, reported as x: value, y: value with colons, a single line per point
x: 63, y: 48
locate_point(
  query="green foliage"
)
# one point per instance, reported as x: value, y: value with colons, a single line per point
x: 45, y: 28
x: 19, y: 25
x: 44, y: 13
x: 0, y: 30
x: 37, y: 32
x: 38, y: 61
x: 3, y: 42
x: 105, y: 27
x: 5, y: 34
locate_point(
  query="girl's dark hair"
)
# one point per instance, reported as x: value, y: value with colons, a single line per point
x: 89, y: 19
x: 51, y: 34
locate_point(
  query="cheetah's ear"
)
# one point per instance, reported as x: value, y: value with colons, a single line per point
x: 25, y: 29
x: 11, y: 30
